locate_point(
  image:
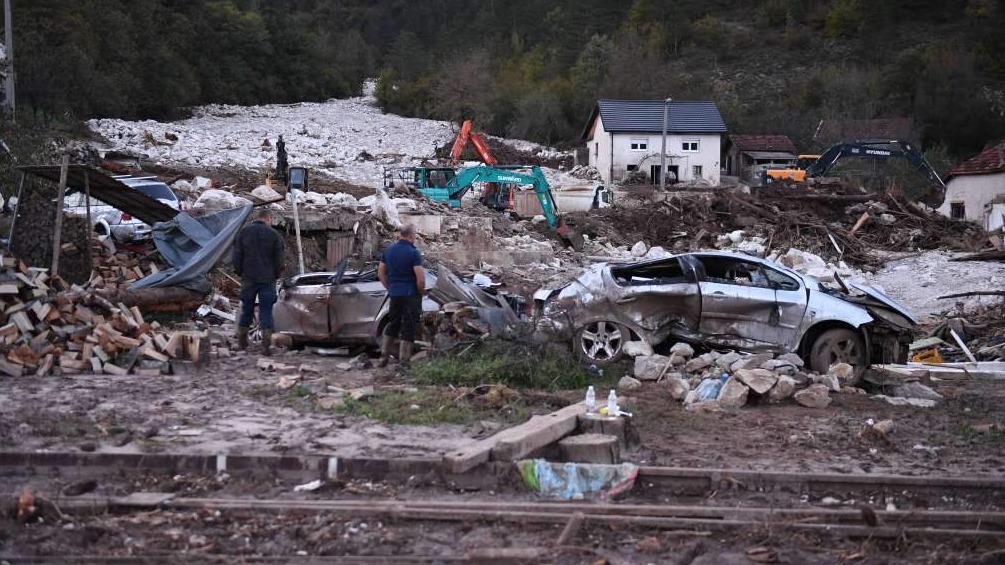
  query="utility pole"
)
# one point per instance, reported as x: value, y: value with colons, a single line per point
x: 663, y: 149
x: 9, y: 106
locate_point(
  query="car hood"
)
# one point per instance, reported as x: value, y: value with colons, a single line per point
x: 875, y: 294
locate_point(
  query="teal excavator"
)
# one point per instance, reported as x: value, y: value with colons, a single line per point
x: 456, y: 187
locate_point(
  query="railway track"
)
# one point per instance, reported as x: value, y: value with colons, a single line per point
x: 846, y: 522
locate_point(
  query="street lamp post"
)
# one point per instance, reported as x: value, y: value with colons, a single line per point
x: 663, y: 149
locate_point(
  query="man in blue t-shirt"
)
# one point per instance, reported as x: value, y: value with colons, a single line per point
x: 401, y: 273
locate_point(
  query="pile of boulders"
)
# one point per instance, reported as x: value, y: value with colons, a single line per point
x: 728, y: 380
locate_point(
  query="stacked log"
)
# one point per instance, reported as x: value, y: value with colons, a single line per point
x: 46, y: 329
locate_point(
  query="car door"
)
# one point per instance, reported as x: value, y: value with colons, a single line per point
x: 354, y: 307
x: 302, y: 307
x: 656, y: 295
x: 748, y: 304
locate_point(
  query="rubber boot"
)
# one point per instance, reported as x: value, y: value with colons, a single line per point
x: 242, y: 338
x: 405, y: 352
x: 267, y: 342
x: 386, y: 343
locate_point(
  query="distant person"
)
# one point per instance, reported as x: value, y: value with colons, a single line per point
x: 401, y: 273
x: 258, y: 259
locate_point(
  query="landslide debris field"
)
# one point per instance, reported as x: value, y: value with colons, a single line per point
x: 136, y: 432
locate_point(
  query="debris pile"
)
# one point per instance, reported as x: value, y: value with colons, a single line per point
x: 848, y: 227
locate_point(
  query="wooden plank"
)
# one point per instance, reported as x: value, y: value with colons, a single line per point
x: 22, y: 321
x: 9, y: 288
x: 137, y: 315
x: 516, y: 442
x: 151, y: 353
x: 96, y: 365
x: 64, y: 167
x: 46, y: 366
x: 11, y: 369
x: 113, y: 369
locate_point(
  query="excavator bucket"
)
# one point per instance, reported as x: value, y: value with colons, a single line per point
x: 570, y: 235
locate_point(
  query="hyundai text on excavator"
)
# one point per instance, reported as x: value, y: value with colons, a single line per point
x: 877, y: 148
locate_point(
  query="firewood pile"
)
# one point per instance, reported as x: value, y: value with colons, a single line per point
x: 454, y: 326
x: 50, y: 327
x: 114, y: 268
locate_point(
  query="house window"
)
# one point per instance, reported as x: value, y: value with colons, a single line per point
x: 640, y: 144
x: 633, y: 168
x: 696, y: 171
x: 957, y: 210
x: 596, y: 150
x: 689, y: 146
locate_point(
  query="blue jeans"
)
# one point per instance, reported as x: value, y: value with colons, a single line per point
x: 266, y: 294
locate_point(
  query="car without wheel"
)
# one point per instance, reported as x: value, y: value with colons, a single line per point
x: 725, y: 300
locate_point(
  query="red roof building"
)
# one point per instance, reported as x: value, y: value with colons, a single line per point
x: 975, y: 189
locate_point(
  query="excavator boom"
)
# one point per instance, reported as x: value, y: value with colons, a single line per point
x: 466, y: 136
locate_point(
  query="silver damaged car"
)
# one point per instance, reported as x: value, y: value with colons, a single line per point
x: 725, y: 300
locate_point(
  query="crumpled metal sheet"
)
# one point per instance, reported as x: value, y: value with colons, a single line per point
x: 193, y: 246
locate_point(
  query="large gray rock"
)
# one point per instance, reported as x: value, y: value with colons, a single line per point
x: 726, y: 360
x: 683, y: 349
x: 828, y: 380
x: 844, y: 373
x: 759, y: 380
x: 751, y: 361
x: 677, y: 387
x: 677, y: 360
x: 782, y: 389
x: 800, y: 378
x: 816, y: 396
x: 636, y: 348
x: 733, y: 394
x: 699, y: 363
x: 628, y: 384
x: 639, y: 249
x: 648, y: 368
x: 914, y: 389
x: 791, y: 358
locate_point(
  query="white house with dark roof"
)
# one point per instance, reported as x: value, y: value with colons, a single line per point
x: 625, y: 136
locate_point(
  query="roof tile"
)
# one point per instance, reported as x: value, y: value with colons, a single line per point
x: 683, y: 116
x: 763, y: 143
x: 989, y: 161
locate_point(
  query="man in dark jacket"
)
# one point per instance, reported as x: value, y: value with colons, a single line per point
x: 400, y: 271
x: 258, y: 259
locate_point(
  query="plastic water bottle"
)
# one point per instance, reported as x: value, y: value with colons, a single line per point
x: 612, y: 404
x: 591, y: 400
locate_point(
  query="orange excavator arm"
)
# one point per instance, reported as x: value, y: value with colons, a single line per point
x: 482, y: 148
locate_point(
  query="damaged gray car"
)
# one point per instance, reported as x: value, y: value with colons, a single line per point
x: 725, y: 300
x: 350, y: 306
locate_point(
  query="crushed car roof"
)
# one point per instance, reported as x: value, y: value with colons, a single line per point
x: 108, y: 190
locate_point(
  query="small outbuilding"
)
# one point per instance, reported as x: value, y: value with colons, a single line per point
x: 975, y: 189
x: 747, y: 155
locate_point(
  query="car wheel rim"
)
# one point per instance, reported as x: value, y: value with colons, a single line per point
x: 843, y: 351
x: 601, y: 340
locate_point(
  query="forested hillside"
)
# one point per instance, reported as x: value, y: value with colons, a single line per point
x: 528, y: 68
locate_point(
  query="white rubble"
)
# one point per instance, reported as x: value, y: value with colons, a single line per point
x: 346, y: 139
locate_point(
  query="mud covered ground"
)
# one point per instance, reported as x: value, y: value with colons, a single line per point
x: 237, y: 407
x: 297, y: 405
x: 964, y: 436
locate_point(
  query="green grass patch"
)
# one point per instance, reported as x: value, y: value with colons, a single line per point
x: 431, y: 406
x: 983, y: 433
x: 517, y: 365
